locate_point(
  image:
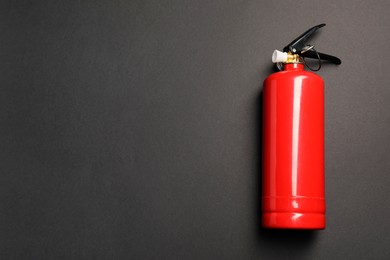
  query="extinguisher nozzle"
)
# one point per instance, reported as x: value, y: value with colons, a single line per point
x: 278, y: 56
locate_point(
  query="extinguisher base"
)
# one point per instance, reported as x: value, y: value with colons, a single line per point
x: 290, y: 220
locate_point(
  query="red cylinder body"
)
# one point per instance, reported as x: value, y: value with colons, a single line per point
x: 293, y: 150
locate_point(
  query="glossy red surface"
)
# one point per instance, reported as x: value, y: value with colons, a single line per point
x: 293, y: 150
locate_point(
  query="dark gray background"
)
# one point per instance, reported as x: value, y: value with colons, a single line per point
x: 131, y: 129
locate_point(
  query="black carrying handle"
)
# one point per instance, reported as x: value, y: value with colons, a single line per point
x: 326, y: 57
x: 299, y: 46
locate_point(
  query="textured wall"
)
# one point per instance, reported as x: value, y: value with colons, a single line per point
x: 131, y: 129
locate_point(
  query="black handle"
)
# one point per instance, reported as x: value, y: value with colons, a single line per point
x: 326, y: 57
x: 299, y: 46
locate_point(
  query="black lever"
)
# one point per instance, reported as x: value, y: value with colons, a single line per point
x: 299, y: 46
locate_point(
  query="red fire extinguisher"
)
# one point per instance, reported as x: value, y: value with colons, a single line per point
x: 293, y: 139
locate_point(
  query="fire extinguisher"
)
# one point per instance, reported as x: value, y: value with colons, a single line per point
x: 293, y: 139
